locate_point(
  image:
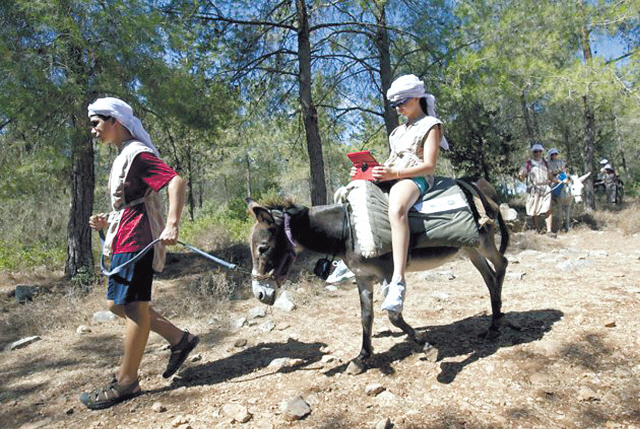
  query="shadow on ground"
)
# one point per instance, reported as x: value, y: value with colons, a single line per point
x: 246, y: 362
x: 464, y: 337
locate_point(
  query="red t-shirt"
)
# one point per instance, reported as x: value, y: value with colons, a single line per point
x: 146, y: 171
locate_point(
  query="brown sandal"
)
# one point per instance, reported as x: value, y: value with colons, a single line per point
x: 110, y: 395
x: 179, y: 353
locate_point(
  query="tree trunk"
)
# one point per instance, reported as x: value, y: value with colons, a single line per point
x: 589, y: 124
x: 317, y: 184
x: 78, y: 252
x: 247, y: 161
x: 386, y: 75
x: 623, y: 158
x: 190, y: 194
x: 525, y: 115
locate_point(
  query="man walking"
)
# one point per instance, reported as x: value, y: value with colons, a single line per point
x: 137, y: 175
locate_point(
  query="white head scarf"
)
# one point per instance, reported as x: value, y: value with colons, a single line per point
x: 553, y: 151
x: 409, y: 86
x: 114, y: 107
x: 536, y: 147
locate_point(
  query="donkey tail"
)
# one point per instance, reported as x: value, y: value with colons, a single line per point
x: 504, y: 233
x: 488, y: 196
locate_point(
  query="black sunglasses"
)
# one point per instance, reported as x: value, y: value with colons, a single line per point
x: 94, y: 123
x: 399, y: 102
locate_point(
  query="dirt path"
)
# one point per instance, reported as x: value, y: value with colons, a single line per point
x: 572, y: 362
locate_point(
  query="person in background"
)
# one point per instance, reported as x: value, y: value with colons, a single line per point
x: 610, y: 180
x: 559, y: 195
x: 603, y: 163
x: 537, y: 173
x: 408, y: 171
x: 137, y: 175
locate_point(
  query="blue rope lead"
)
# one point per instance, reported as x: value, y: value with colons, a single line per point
x: 206, y: 255
x: 144, y: 251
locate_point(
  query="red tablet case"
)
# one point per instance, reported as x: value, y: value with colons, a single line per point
x: 364, y: 162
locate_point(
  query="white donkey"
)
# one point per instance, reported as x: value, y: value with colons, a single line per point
x: 572, y: 190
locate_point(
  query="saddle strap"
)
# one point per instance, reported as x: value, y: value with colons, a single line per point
x: 476, y: 203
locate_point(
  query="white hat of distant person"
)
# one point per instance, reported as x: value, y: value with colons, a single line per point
x: 537, y: 147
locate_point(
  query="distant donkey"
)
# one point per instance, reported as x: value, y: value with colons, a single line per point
x: 573, y: 190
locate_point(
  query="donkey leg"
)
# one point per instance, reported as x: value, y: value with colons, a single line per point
x: 398, y: 321
x: 365, y: 290
x: 493, y: 277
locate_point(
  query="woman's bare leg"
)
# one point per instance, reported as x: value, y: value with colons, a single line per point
x: 402, y: 197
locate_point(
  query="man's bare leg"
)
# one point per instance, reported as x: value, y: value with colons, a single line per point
x: 137, y: 333
x: 158, y: 323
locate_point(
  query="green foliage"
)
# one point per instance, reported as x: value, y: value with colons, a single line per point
x: 85, y: 278
x: 16, y: 256
x: 220, y: 98
x: 218, y: 227
x: 34, y: 208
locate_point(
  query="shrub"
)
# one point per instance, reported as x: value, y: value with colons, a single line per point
x: 17, y: 255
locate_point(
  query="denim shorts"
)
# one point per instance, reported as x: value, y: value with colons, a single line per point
x: 133, y: 283
x: 422, y: 185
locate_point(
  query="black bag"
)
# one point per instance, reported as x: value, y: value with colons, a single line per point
x: 322, y: 268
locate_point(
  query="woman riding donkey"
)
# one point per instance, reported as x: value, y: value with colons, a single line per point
x: 408, y: 171
x: 137, y: 175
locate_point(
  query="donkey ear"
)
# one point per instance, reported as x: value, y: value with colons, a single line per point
x: 296, y: 209
x: 584, y: 177
x: 261, y: 214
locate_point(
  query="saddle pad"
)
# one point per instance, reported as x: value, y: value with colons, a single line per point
x: 442, y: 219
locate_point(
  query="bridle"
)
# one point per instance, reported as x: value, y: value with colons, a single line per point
x: 280, y: 274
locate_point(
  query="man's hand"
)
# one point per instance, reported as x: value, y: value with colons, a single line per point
x: 99, y: 221
x: 169, y: 235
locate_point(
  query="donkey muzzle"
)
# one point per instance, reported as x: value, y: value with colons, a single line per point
x: 265, y: 291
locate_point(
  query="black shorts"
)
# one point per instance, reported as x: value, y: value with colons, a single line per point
x: 133, y: 283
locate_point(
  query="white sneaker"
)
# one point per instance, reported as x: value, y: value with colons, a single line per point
x: 340, y: 273
x: 394, y: 299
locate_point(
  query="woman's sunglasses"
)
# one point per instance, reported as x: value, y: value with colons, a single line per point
x: 399, y: 102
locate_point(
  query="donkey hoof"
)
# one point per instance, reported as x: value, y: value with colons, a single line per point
x: 355, y: 368
x: 491, y: 334
x: 430, y: 353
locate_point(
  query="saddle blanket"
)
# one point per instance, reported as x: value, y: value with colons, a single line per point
x: 443, y: 218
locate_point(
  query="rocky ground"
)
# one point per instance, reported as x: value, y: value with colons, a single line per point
x: 569, y: 361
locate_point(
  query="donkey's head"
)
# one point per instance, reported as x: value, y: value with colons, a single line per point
x: 577, y: 186
x: 272, y: 250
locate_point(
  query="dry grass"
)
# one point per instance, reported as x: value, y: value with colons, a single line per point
x: 626, y: 219
x: 530, y: 377
x: 54, y: 308
x: 527, y: 240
